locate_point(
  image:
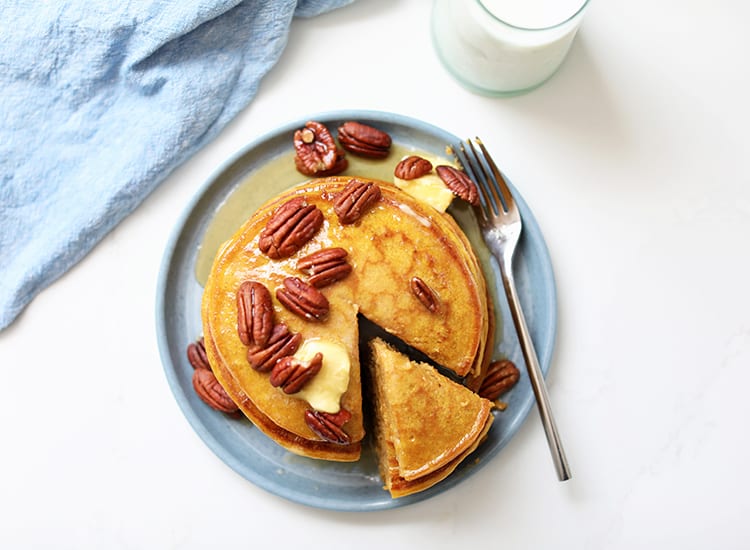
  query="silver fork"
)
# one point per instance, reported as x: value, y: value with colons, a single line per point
x: 500, y: 223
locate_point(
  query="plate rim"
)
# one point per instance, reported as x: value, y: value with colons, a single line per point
x: 199, y: 426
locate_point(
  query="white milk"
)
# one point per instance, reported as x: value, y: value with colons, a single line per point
x: 504, y: 56
x: 532, y: 14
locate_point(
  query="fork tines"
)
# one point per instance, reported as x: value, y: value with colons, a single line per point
x: 479, y: 165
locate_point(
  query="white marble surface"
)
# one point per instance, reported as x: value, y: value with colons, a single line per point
x: 634, y: 159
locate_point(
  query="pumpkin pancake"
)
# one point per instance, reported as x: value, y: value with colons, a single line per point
x: 426, y: 424
x: 410, y: 271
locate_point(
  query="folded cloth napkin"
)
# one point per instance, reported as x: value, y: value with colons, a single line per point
x: 101, y: 100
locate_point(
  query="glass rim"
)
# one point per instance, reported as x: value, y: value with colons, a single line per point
x: 494, y: 17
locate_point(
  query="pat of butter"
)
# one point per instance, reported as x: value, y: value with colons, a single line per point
x: 429, y: 188
x: 325, y: 389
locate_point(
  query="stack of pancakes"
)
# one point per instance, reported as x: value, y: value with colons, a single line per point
x: 396, y: 240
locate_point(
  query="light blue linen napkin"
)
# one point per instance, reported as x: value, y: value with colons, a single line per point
x: 101, y: 100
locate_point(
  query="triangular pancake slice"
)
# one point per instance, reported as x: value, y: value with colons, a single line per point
x: 425, y: 423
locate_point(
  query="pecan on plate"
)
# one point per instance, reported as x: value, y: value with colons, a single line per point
x: 355, y: 199
x: 364, y: 140
x: 424, y: 294
x: 325, y: 266
x: 302, y: 299
x: 254, y: 313
x: 458, y: 182
x: 328, y: 425
x: 281, y: 343
x: 210, y: 391
x: 412, y: 167
x: 501, y: 376
x: 316, y: 151
x: 290, y: 227
x: 291, y: 374
x: 196, y: 354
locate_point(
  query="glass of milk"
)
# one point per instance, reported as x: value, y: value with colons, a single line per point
x: 504, y: 47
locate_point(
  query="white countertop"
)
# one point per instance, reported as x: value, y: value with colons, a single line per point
x: 634, y: 160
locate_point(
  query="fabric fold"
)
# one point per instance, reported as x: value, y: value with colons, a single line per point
x: 101, y: 101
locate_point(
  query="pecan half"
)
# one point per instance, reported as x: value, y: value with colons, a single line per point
x: 424, y: 294
x: 254, y: 313
x: 339, y: 166
x: 302, y: 299
x: 196, y: 354
x: 291, y: 374
x: 325, y: 266
x: 329, y: 426
x: 281, y: 343
x: 458, y: 182
x: 501, y: 376
x: 316, y: 151
x: 364, y: 140
x: 354, y: 200
x: 291, y: 225
x: 210, y: 391
x: 412, y: 167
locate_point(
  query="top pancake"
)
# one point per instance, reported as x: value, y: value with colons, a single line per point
x: 397, y: 239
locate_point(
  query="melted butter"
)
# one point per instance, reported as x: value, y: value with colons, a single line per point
x: 272, y: 178
x: 429, y: 188
x: 324, y: 391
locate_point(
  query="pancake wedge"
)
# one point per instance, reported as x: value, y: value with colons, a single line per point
x: 426, y: 424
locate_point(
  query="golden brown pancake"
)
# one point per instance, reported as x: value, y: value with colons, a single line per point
x: 394, y: 241
x: 426, y: 424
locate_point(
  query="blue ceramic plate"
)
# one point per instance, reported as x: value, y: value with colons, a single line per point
x: 330, y: 485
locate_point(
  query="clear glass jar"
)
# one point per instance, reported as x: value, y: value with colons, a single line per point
x: 492, y: 56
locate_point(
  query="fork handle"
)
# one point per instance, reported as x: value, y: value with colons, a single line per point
x: 535, y: 374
